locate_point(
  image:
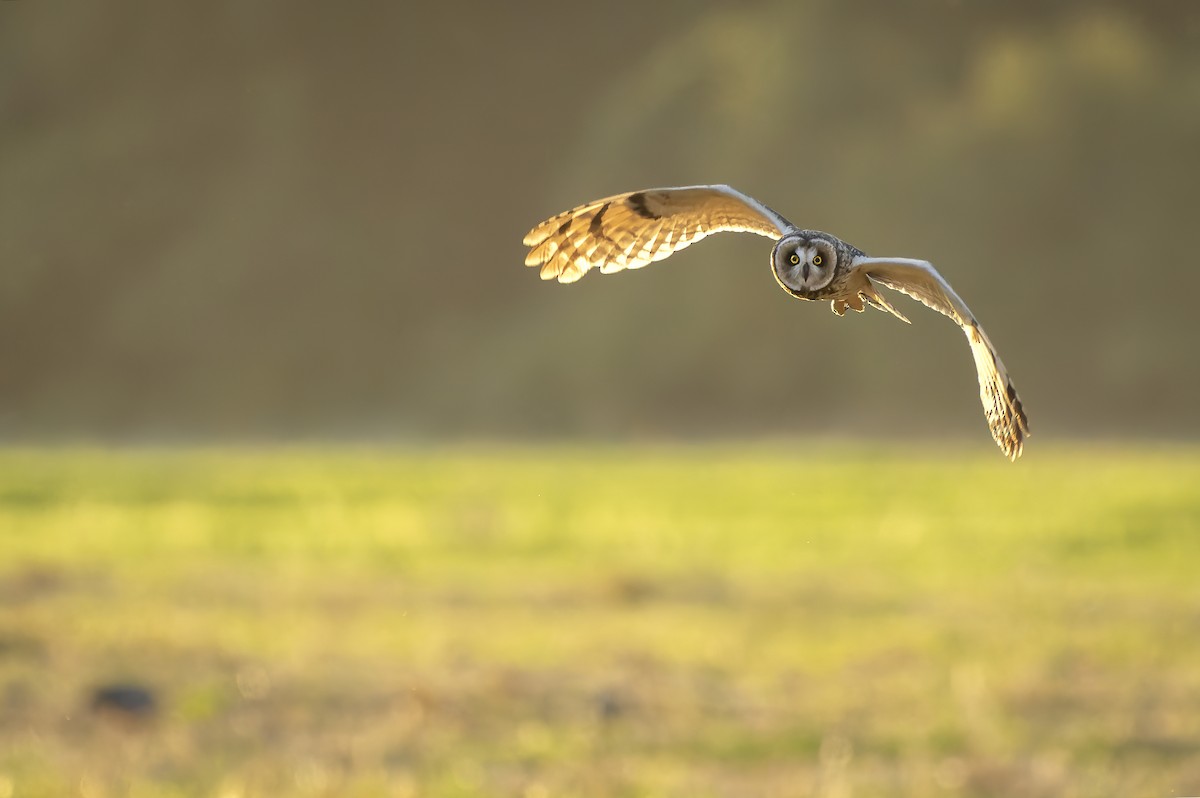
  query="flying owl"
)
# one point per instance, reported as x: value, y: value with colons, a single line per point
x: 628, y: 231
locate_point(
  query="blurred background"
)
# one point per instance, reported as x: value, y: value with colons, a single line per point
x: 251, y: 219
x: 665, y: 533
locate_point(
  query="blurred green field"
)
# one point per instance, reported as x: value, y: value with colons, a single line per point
x: 671, y: 621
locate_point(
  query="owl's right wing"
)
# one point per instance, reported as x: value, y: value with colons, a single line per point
x: 1005, y: 416
x: 628, y: 231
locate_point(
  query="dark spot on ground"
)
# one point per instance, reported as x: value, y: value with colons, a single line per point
x: 124, y: 700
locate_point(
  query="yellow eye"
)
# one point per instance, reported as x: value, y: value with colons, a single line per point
x: 816, y: 260
x: 794, y: 259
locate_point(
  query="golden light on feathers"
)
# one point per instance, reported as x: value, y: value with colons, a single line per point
x: 629, y: 231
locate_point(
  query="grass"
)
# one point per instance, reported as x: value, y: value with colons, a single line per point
x: 693, y: 621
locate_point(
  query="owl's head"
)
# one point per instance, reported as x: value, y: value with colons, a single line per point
x: 805, y: 262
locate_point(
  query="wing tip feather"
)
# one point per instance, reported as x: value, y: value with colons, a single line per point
x: 1012, y: 427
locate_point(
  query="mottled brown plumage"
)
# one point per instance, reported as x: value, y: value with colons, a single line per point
x: 628, y: 231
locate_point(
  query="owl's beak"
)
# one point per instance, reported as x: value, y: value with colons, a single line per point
x: 804, y: 271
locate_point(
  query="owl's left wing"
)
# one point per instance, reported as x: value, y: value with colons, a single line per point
x: 917, y: 278
x: 628, y: 231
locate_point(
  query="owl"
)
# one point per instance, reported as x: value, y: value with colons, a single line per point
x: 628, y: 231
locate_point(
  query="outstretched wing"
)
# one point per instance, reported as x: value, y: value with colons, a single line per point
x: 917, y: 278
x: 627, y: 231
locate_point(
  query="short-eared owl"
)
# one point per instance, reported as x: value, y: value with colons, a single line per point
x: 628, y: 231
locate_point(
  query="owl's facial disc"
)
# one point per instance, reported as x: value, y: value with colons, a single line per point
x: 804, y: 264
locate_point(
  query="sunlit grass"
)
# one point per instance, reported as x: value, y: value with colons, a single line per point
x: 713, y: 620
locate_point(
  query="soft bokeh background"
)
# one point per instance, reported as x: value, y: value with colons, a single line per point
x: 243, y: 219
x: 309, y: 487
